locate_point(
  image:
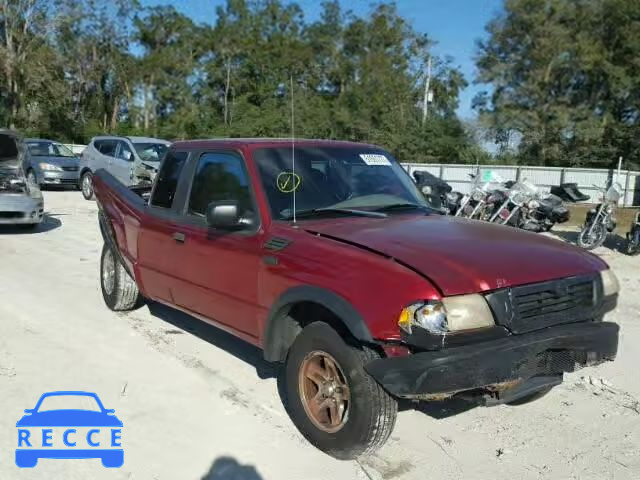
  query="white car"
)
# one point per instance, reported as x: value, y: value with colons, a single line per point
x: 132, y: 160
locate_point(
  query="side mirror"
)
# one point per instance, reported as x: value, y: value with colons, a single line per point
x: 224, y: 214
x: 28, y: 410
x: 109, y: 411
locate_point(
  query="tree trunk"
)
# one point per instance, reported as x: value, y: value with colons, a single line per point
x: 14, y: 103
x: 114, y: 114
x: 146, y: 108
x: 226, y: 94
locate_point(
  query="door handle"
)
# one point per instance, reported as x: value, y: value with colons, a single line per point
x: 179, y: 237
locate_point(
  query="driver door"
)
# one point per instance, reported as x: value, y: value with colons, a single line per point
x: 218, y: 269
x: 122, y: 163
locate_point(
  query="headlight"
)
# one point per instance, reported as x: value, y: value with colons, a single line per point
x: 610, y: 284
x: 453, y: 197
x: 426, y: 190
x: 517, y: 198
x: 49, y: 167
x: 451, y: 314
x: 533, y: 204
x: 477, y: 196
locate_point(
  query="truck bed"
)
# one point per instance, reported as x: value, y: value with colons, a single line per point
x: 121, y: 211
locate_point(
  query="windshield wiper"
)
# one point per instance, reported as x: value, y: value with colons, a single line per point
x: 347, y: 211
x: 401, y: 206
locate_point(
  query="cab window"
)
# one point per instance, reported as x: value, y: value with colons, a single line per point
x: 167, y: 181
x: 220, y: 176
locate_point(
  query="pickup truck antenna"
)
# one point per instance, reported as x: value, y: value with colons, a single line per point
x: 293, y: 151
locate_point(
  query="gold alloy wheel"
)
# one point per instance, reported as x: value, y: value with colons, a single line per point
x: 324, y: 391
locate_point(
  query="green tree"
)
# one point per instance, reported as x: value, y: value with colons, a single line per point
x: 565, y: 78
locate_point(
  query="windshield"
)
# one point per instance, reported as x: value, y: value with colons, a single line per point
x: 49, y: 149
x: 355, y: 177
x: 487, y: 180
x: 150, y: 152
x: 613, y: 194
x: 69, y: 402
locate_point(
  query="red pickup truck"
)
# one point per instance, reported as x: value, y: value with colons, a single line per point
x: 326, y: 256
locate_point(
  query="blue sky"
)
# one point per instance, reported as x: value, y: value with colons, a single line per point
x: 454, y: 24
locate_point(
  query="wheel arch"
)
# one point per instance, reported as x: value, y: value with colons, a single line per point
x: 109, y: 237
x: 284, y: 322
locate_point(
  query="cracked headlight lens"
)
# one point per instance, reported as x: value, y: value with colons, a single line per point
x: 451, y: 314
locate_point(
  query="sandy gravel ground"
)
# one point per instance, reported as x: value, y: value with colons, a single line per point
x: 198, y: 404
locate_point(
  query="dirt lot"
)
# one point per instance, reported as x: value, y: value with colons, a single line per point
x: 197, y: 403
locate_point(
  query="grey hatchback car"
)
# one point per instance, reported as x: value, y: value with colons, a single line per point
x: 132, y: 160
x: 51, y: 163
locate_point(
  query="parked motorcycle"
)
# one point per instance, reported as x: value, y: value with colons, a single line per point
x: 633, y: 237
x: 531, y: 209
x: 435, y: 190
x: 601, y: 220
x: 568, y: 192
x: 487, y: 192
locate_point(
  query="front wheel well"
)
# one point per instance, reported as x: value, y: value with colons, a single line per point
x: 291, y: 319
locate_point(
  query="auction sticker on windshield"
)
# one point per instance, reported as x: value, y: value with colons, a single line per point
x: 69, y: 425
x: 375, y: 159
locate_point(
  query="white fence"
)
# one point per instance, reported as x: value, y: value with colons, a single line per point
x: 588, y: 179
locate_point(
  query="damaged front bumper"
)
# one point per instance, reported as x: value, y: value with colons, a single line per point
x: 20, y: 208
x: 500, y: 365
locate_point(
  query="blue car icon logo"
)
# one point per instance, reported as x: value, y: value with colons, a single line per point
x: 69, y: 425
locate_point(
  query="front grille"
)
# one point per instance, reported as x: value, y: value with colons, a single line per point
x: 70, y: 169
x: 533, y: 307
x: 11, y: 215
x: 555, y: 297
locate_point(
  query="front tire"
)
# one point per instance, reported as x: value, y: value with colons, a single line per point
x: 86, y: 185
x: 333, y: 402
x: 119, y: 290
x: 596, y: 239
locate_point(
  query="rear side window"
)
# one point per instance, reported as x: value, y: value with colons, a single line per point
x: 106, y: 147
x: 220, y: 176
x: 167, y: 181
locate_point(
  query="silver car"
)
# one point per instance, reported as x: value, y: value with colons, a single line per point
x: 132, y: 160
x: 21, y: 202
x: 51, y: 163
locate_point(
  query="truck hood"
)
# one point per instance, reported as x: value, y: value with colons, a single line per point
x: 461, y: 256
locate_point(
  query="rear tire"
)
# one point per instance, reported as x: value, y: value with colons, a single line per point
x: 633, y: 242
x: 596, y: 239
x: 86, y: 185
x: 119, y: 290
x: 370, y: 412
